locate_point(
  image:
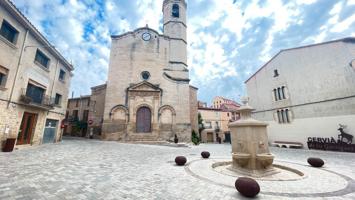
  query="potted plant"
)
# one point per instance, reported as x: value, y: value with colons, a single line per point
x: 176, y: 140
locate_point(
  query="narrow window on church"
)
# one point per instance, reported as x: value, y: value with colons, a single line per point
x: 175, y: 11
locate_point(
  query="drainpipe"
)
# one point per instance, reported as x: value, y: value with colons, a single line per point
x: 17, y: 69
x: 55, y: 76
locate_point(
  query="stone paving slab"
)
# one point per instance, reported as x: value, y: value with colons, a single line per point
x: 324, y: 182
x: 91, y: 169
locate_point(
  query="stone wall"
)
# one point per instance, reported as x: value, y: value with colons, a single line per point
x: 193, y: 109
x: 11, y: 117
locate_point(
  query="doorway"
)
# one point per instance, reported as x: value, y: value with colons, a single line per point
x: 144, y: 120
x: 50, y: 131
x: 209, y: 137
x: 27, y: 128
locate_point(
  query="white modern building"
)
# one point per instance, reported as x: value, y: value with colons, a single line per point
x: 306, y: 91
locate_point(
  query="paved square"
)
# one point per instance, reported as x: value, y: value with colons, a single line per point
x: 91, y: 169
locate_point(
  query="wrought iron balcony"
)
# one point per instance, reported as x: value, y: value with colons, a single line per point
x: 44, y: 102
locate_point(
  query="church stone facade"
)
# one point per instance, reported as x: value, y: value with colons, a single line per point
x: 148, y: 92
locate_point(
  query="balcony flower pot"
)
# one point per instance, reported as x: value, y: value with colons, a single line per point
x: 9, y: 145
x: 25, y: 99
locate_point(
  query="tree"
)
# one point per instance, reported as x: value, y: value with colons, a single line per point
x: 201, y: 127
x: 194, y: 138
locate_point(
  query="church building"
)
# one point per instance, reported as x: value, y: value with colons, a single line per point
x: 148, y: 95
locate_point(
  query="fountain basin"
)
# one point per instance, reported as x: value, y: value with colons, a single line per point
x: 241, y: 159
x: 265, y: 159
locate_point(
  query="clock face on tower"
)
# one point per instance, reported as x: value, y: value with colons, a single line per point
x: 146, y: 36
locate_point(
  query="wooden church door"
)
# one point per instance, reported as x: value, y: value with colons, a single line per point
x: 144, y: 120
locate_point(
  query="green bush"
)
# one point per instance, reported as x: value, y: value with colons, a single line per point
x: 194, y: 138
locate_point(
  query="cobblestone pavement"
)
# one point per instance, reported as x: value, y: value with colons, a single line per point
x: 92, y: 169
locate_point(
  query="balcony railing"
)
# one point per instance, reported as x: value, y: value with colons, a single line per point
x: 43, y: 102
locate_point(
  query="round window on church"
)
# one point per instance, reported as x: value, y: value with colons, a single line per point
x: 145, y: 75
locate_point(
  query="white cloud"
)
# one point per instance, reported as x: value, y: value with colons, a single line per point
x: 150, y: 16
x: 343, y: 25
x: 350, y: 2
x: 216, y: 33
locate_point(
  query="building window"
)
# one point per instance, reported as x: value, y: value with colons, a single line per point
x: 58, y: 99
x: 85, y: 115
x: 42, y: 59
x: 77, y: 103
x: 35, y: 93
x: 3, y: 76
x: 283, y: 116
x: 67, y: 115
x: 62, y: 75
x: 227, y: 114
x: 9, y: 32
x: 279, y: 93
x: 75, y: 115
x: 89, y: 101
x: 283, y: 92
x: 175, y: 11
x: 276, y: 73
x: 275, y: 94
x: 145, y: 75
x: 208, y: 125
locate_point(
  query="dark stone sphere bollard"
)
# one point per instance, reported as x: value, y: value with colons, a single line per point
x: 248, y: 187
x: 180, y: 160
x: 315, y: 162
x: 205, y: 154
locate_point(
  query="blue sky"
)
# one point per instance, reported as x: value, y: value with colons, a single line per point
x: 228, y: 40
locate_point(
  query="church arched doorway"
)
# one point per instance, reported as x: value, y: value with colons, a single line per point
x: 144, y: 118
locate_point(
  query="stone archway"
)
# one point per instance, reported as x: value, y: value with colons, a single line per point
x: 144, y: 120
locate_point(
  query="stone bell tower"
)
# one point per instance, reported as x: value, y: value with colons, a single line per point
x: 175, y: 28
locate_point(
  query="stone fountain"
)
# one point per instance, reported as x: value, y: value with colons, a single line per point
x: 250, y: 148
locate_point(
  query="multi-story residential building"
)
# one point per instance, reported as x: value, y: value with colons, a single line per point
x: 219, y: 101
x: 34, y: 81
x: 306, y: 92
x: 77, y: 116
x: 86, y: 112
x: 96, y: 114
x: 216, y: 120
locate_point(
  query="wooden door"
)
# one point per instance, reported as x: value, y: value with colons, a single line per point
x: 209, y: 137
x: 27, y: 128
x: 144, y: 120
